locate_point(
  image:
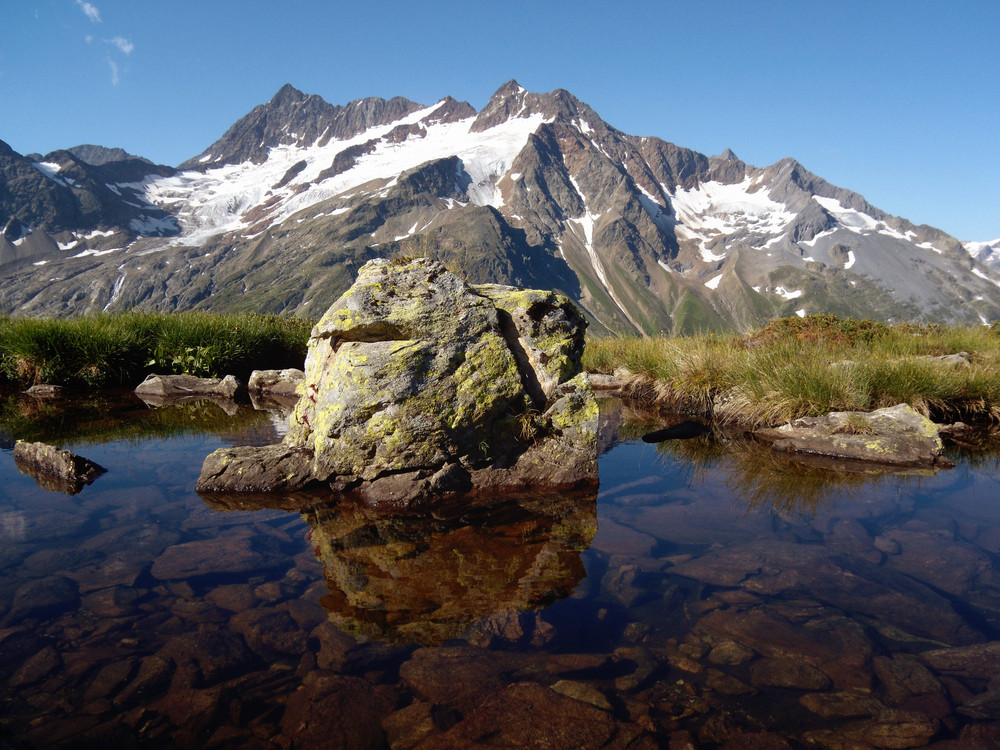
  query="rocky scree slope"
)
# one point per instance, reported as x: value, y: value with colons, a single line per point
x: 534, y: 190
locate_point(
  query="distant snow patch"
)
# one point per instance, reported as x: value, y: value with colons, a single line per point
x: 982, y: 275
x: 147, y: 225
x: 713, y: 283
x: 801, y: 312
x: 116, y: 292
x: 39, y: 263
x: 850, y: 260
x: 817, y: 238
x: 713, y: 208
x: 50, y: 169
x: 787, y: 294
x: 929, y: 246
x: 96, y: 253
x: 857, y: 222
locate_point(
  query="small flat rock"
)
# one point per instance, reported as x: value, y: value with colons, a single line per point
x: 338, y: 711
x: 981, y: 660
x: 45, y: 390
x: 529, y: 715
x: 788, y: 673
x: 181, y: 387
x: 44, y: 598
x: 270, y: 632
x: 842, y: 704
x: 54, y: 468
x: 583, y: 691
x: 225, y: 554
x: 895, y: 436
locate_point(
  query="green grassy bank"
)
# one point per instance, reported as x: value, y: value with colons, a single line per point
x: 809, y: 366
x: 121, y: 349
x: 793, y: 367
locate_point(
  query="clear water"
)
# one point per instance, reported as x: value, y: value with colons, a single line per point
x: 706, y: 596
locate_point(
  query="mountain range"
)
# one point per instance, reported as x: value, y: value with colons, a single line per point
x: 533, y: 190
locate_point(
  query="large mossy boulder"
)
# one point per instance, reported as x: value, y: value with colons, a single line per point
x: 416, y: 383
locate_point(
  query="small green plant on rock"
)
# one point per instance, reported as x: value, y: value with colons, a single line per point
x: 192, y: 360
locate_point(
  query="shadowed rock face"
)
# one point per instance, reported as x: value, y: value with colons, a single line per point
x: 417, y: 383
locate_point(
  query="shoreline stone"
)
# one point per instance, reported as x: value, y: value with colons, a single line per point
x: 895, y: 436
x: 164, y: 389
x: 276, y: 382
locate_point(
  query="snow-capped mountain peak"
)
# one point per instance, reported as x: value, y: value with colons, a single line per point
x: 536, y: 189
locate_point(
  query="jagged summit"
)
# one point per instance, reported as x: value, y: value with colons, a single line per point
x: 292, y: 118
x: 100, y: 155
x: 534, y: 190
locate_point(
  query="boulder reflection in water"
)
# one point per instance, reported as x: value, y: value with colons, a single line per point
x: 429, y: 578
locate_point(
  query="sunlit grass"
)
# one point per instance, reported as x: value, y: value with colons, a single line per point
x: 807, y: 367
x: 121, y: 349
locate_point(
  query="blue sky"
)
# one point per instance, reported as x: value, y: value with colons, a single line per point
x: 899, y: 101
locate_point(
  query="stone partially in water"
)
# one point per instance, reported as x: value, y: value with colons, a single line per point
x: 895, y: 436
x: 413, y: 371
x: 276, y: 382
x: 54, y: 469
x: 162, y: 389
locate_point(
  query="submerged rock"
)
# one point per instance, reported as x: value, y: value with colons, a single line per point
x: 894, y: 436
x: 55, y: 469
x: 417, y: 382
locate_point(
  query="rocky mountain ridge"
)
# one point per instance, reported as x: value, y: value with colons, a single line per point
x: 534, y: 190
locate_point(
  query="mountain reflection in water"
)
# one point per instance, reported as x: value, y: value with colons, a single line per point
x: 729, y: 598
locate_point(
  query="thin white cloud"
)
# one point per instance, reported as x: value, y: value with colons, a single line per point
x: 114, y: 71
x: 90, y: 11
x: 122, y: 43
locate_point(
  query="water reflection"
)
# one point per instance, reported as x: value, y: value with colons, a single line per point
x: 725, y: 600
x: 424, y: 580
x: 455, y: 571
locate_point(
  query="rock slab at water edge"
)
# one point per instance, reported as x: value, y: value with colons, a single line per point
x: 894, y: 436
